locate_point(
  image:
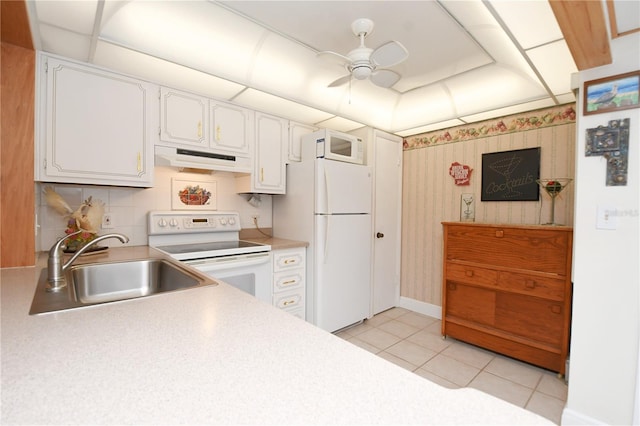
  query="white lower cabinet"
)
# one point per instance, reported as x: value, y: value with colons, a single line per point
x: 289, y: 280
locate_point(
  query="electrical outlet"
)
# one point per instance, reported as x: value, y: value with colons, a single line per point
x: 255, y: 217
x: 107, y: 221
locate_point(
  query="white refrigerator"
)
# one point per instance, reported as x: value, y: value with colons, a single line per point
x: 328, y: 204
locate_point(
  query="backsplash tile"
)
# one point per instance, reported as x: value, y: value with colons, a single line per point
x: 129, y: 206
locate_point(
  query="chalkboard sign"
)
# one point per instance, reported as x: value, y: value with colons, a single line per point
x: 511, y: 175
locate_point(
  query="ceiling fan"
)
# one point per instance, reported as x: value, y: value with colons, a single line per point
x: 363, y: 62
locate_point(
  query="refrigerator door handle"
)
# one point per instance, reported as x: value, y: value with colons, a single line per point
x: 326, y: 239
x: 326, y: 191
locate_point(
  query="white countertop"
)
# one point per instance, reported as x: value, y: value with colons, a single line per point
x: 211, y: 355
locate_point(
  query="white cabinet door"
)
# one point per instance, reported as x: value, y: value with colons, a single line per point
x: 97, y: 127
x: 269, y: 172
x: 183, y: 118
x: 230, y: 128
x: 296, y: 132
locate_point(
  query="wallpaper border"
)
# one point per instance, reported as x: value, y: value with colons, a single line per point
x: 530, y: 120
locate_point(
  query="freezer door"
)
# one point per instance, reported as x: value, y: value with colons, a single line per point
x: 342, y: 187
x: 342, y: 269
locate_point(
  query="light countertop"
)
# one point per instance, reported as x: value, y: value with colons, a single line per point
x: 210, y: 355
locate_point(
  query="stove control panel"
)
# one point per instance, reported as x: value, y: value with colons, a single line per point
x: 178, y: 222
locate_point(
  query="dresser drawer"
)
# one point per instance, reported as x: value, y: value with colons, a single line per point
x: 288, y: 280
x: 290, y: 300
x: 288, y: 259
x: 536, y: 249
x: 544, y: 287
x: 471, y: 274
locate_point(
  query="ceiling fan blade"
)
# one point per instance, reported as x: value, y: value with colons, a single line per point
x: 340, y: 81
x: 389, y: 54
x: 334, y: 57
x: 385, y: 78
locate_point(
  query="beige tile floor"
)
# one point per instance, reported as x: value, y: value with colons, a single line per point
x: 414, y: 341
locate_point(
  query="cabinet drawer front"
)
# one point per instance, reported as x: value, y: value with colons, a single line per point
x: 283, y: 281
x: 541, y: 249
x: 288, y: 301
x: 548, y: 288
x: 288, y: 260
x: 471, y: 274
x: 529, y: 317
x: 472, y: 303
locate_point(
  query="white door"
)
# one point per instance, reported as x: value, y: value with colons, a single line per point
x: 342, y: 284
x: 387, y: 218
x: 342, y: 187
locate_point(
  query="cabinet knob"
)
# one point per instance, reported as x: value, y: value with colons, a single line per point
x: 468, y: 273
x: 556, y: 309
x: 379, y: 235
x: 530, y: 284
x: 499, y: 234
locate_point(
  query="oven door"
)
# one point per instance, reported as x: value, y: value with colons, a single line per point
x: 248, y: 272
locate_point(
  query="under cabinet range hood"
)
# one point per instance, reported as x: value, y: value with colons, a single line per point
x: 191, y: 159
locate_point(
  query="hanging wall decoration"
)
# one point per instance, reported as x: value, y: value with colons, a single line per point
x: 612, y: 143
x: 460, y: 173
x: 511, y: 175
x: 611, y: 93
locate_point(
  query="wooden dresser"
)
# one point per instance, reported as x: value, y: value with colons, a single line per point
x: 507, y: 288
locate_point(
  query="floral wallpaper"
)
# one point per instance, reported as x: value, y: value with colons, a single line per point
x: 562, y: 114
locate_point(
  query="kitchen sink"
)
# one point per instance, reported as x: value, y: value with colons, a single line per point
x: 96, y: 283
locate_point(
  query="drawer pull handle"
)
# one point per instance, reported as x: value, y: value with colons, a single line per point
x: 288, y: 282
x: 499, y: 234
x: 556, y: 309
x: 289, y: 302
x: 468, y: 273
x: 530, y: 284
x: 289, y: 261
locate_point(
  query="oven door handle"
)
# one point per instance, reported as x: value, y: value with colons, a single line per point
x: 228, y: 262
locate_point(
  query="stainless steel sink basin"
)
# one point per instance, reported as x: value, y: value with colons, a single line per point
x: 96, y: 283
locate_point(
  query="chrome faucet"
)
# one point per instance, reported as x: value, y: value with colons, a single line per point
x: 56, y: 270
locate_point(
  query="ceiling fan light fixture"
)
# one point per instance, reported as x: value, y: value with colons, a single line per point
x: 361, y: 72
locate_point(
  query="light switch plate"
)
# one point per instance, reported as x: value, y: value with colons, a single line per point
x: 607, y: 218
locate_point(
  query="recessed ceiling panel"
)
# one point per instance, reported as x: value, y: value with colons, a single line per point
x: 438, y: 46
x: 555, y: 64
x: 199, y: 35
x: 538, y: 28
x: 65, y: 43
x: 265, y: 102
x: 500, y: 87
x: 163, y: 72
x: 76, y: 16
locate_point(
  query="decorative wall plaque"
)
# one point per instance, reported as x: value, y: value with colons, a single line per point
x: 460, y: 173
x: 511, y: 175
x: 611, y: 142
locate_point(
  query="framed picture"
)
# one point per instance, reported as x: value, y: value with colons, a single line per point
x: 193, y: 194
x: 611, y: 93
x: 511, y: 175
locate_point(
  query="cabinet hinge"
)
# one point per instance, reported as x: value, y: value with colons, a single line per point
x: 44, y: 164
x: 46, y: 66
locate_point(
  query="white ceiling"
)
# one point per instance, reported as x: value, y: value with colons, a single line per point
x: 469, y: 60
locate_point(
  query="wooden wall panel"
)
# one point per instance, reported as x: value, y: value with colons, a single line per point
x: 17, y: 194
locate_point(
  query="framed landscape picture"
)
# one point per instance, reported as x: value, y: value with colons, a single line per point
x: 611, y: 93
x: 511, y: 175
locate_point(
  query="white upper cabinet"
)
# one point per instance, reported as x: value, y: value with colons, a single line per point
x: 269, y: 171
x: 184, y: 118
x: 196, y: 122
x: 230, y: 128
x: 93, y: 125
x: 296, y: 132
